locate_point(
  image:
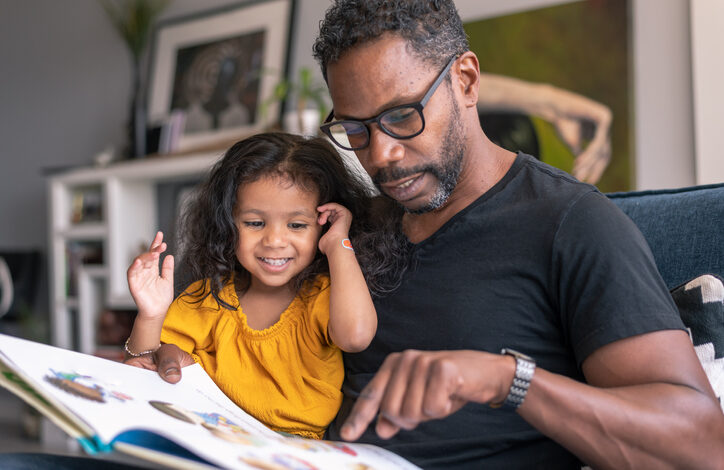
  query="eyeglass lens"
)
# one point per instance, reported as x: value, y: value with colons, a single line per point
x: 400, y: 122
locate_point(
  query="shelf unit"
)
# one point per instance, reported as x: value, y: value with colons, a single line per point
x: 91, y: 246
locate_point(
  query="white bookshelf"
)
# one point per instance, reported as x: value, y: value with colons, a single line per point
x: 123, y: 222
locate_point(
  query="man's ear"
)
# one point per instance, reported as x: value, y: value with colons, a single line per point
x: 469, y: 76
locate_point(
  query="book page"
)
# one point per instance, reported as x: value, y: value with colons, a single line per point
x: 133, y: 406
x: 11, y: 381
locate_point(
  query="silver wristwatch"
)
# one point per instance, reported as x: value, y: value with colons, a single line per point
x: 524, y: 370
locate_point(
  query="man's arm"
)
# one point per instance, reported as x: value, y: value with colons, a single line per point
x: 648, y: 403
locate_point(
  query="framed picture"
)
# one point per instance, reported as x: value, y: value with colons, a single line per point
x: 556, y: 83
x: 217, y: 68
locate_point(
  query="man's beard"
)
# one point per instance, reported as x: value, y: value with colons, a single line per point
x: 446, y: 169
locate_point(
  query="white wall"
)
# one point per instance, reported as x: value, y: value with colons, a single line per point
x: 707, y: 19
x: 663, y: 119
x: 63, y: 84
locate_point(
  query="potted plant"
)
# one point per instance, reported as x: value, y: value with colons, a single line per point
x: 301, y: 118
x: 133, y: 20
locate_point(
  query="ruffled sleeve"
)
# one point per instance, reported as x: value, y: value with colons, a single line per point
x: 190, y: 324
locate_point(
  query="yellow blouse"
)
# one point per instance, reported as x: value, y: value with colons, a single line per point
x: 288, y: 376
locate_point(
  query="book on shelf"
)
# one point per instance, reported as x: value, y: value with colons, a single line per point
x: 109, y: 406
x: 86, y: 205
x: 80, y: 253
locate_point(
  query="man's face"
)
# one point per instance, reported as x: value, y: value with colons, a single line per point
x: 419, y: 173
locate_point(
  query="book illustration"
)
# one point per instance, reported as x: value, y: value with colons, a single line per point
x: 13, y: 378
x: 278, y: 462
x: 83, y: 386
x: 108, y: 406
x: 217, y: 424
x: 314, y: 445
x: 342, y: 447
x: 290, y: 462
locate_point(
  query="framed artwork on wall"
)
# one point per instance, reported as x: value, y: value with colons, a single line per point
x: 216, y: 68
x: 556, y: 83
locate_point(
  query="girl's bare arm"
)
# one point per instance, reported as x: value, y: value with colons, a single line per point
x: 153, y: 293
x: 352, y: 316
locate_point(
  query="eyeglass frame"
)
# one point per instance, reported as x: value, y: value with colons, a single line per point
x: 418, y: 106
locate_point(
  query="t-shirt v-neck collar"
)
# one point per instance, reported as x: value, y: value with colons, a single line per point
x: 518, y: 163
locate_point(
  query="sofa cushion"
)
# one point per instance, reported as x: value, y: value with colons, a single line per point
x: 683, y: 227
x: 701, y: 305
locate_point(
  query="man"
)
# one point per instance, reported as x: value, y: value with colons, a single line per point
x: 506, y: 252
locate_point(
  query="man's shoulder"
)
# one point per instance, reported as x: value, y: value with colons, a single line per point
x: 548, y: 182
x: 531, y: 185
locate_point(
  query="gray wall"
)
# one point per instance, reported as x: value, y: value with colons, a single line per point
x: 64, y: 86
x: 64, y: 90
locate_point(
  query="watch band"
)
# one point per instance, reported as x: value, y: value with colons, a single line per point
x: 524, y: 370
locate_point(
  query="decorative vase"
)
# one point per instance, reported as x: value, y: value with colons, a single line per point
x: 304, y: 123
x: 137, y: 116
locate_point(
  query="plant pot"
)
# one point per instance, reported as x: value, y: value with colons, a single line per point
x: 304, y: 123
x: 137, y: 117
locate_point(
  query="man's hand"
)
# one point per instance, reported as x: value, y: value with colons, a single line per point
x: 167, y: 361
x: 416, y: 386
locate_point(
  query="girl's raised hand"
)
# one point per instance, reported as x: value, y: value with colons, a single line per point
x: 152, y: 291
x: 340, y: 219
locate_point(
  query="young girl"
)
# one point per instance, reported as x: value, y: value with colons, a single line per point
x: 279, y: 291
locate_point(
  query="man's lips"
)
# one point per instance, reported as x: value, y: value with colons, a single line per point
x: 401, y: 183
x: 403, y: 189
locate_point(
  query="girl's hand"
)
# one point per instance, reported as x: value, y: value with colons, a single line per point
x: 152, y: 292
x: 340, y: 219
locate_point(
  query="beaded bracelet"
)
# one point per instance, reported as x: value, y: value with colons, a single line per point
x: 142, y: 353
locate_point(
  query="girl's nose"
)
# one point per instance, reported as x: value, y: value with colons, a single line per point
x: 275, y: 237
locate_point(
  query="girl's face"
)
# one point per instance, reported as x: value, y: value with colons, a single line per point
x: 278, y: 230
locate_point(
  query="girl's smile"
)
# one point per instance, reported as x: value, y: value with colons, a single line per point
x: 275, y: 265
x: 278, y: 230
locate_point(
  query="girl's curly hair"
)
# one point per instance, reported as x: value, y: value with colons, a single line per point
x: 210, y: 235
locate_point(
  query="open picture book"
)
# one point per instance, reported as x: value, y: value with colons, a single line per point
x: 109, y: 406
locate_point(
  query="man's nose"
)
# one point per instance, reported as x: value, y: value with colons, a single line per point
x: 383, y: 149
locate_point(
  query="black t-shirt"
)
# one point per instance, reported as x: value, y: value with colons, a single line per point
x: 542, y: 264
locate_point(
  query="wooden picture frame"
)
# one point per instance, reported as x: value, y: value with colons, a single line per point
x: 217, y: 68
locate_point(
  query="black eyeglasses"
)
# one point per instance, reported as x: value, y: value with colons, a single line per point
x: 401, y: 122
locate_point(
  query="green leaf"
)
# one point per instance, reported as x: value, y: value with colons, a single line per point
x: 133, y: 20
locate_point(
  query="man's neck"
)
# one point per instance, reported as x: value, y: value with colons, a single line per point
x: 484, y: 166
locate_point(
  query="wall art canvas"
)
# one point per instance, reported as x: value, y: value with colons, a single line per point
x: 556, y: 83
